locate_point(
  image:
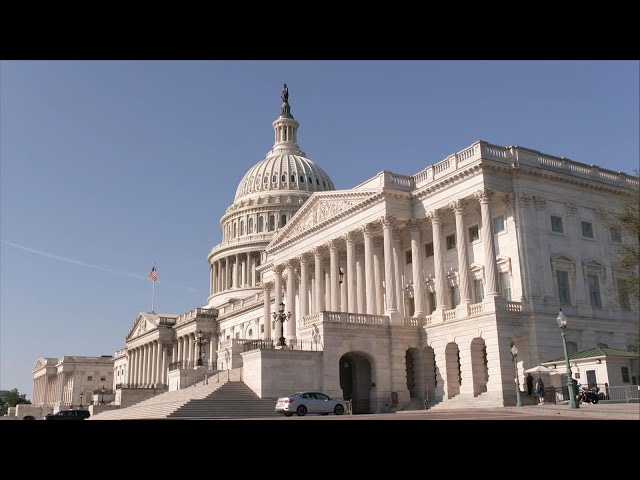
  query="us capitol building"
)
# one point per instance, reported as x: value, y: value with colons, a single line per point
x: 402, y: 289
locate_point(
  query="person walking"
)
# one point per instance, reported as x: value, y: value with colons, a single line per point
x: 540, y: 391
x: 529, y: 384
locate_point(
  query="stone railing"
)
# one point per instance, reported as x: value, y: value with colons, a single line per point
x: 428, y: 319
x: 167, y: 321
x: 449, y: 315
x: 514, y: 307
x: 343, y: 317
x: 411, y: 322
x: 524, y: 156
x: 401, y: 182
x: 210, y: 313
x: 475, y: 309
x: 243, y: 240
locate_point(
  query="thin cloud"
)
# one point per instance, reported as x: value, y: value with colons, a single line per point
x: 80, y: 263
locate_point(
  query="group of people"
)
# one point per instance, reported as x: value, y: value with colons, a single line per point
x: 539, y: 390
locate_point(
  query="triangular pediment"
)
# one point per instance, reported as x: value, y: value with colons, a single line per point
x: 144, y: 322
x: 321, y: 209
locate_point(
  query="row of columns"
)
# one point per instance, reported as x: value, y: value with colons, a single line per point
x: 368, y: 268
x: 234, y: 271
x: 148, y: 364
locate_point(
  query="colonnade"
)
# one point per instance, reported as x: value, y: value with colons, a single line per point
x: 234, y: 271
x: 368, y: 280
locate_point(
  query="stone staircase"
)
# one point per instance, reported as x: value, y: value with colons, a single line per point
x: 162, y: 405
x: 464, y: 401
x: 233, y: 400
x: 217, y: 398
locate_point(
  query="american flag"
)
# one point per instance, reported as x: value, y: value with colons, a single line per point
x: 153, y: 275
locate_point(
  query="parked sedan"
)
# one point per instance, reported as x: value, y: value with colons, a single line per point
x: 302, y: 403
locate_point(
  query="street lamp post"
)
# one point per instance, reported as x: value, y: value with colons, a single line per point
x: 102, y: 391
x: 514, y: 355
x: 281, y: 317
x: 562, y: 323
x: 81, y: 394
x: 200, y: 342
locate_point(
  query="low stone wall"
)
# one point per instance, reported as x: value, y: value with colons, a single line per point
x: 185, y: 377
x: 36, y: 411
x: 129, y: 396
x: 96, y: 409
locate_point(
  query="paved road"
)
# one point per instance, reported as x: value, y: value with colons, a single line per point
x: 600, y: 411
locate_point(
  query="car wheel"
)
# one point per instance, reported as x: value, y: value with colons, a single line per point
x: 338, y: 410
x: 288, y: 414
x: 301, y: 411
x: 324, y: 414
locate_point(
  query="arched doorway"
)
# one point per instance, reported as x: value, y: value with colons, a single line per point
x: 355, y: 381
x: 479, y: 368
x: 452, y: 356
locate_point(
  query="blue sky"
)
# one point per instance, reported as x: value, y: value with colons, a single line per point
x: 109, y: 166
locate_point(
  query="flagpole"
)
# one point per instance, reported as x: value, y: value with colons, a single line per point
x: 153, y: 297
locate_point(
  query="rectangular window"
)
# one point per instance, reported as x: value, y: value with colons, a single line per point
x: 556, y: 224
x: 474, y: 233
x: 505, y: 286
x: 587, y: 229
x: 616, y: 236
x: 625, y: 374
x: 89, y: 378
x: 594, y: 290
x: 451, y: 241
x: 103, y: 379
x: 623, y: 294
x: 428, y: 249
x: 454, y: 294
x: 261, y: 328
x: 432, y: 301
x: 478, y: 291
x: 563, y: 287
x: 407, y: 257
x: 498, y: 224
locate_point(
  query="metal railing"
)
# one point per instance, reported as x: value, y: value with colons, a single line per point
x: 190, y: 364
x: 309, y: 344
x: 138, y: 386
x: 106, y: 391
x: 618, y: 393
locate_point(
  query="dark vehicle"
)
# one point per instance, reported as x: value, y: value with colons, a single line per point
x: 588, y: 395
x: 28, y: 417
x: 68, y: 415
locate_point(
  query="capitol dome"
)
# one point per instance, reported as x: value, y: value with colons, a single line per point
x: 284, y: 172
x: 268, y: 196
x: 285, y: 166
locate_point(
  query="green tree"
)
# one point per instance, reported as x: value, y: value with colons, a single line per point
x: 14, y: 398
x: 627, y: 221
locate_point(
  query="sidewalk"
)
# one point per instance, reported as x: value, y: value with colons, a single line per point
x: 604, y: 411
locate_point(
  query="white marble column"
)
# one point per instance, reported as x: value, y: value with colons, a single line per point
x: 319, y: 294
x: 164, y: 366
x: 350, y: 274
x: 490, y: 267
x: 378, y: 275
x: 249, y: 263
x: 438, y: 261
x: 461, y: 243
x: 291, y: 306
x: 367, y: 231
x: 333, y: 274
x: 277, y: 292
x: 180, y: 353
x: 416, y: 269
x: 342, y: 286
x: 359, y: 288
x: 389, y: 274
x: 266, y: 311
x: 303, y: 286
x: 144, y: 365
x: 159, y: 362
x: 154, y: 362
x: 227, y: 274
x: 397, y: 271
x: 190, y: 356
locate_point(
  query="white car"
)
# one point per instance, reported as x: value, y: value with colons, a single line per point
x: 302, y: 403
